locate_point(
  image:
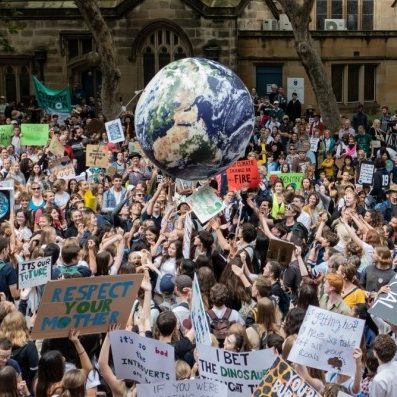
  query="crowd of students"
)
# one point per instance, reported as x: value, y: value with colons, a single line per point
x: 129, y: 218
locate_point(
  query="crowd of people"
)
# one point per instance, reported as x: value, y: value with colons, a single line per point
x: 129, y: 218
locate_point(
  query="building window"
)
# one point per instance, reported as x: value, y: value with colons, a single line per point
x: 358, y: 14
x: 11, y: 84
x: 354, y: 82
x: 15, y: 81
x: 24, y: 83
x: 77, y: 45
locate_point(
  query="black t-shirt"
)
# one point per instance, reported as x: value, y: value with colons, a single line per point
x: 8, y: 276
x: 28, y: 359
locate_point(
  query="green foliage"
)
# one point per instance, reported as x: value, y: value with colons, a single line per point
x: 10, y: 24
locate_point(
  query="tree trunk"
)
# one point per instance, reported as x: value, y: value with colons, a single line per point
x: 95, y: 22
x: 298, y: 12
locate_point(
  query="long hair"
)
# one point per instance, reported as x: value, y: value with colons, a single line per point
x: 73, y: 384
x: 349, y: 272
x: 51, y: 370
x: 8, y: 382
x: 45, y: 234
x: 266, y: 316
x: 14, y: 328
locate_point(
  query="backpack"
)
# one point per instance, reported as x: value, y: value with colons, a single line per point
x: 254, y: 262
x: 220, y: 325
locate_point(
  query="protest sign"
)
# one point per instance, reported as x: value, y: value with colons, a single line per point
x: 314, y: 144
x: 280, y: 251
x: 144, y: 360
x: 187, y: 236
x: 89, y: 304
x: 34, y: 273
x: 34, y: 134
x: 366, y: 175
x: 53, y: 101
x: 242, y: 173
x: 56, y: 146
x: 327, y: 340
x: 205, y: 203
x: 282, y: 381
x: 64, y: 171
x: 5, y: 134
x: 385, y: 305
x: 115, y: 132
x: 199, y: 316
x: 183, y: 388
x: 7, y: 198
x: 241, y: 372
x: 289, y: 178
x: 96, y: 156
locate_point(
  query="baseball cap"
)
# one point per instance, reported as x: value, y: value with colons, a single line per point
x: 167, y: 284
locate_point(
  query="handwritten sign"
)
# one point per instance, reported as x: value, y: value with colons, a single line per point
x: 183, y: 388
x: 142, y: 359
x: 64, y: 171
x: 89, y: 304
x: 115, y: 132
x: 56, y: 146
x: 282, y: 381
x: 290, y: 178
x: 242, y: 173
x: 34, y: 273
x: 385, y: 305
x: 97, y: 156
x: 205, y: 204
x: 326, y: 341
x: 242, y: 372
x: 5, y: 134
x: 199, y: 316
x: 187, y: 236
x: 314, y: 144
x: 280, y: 251
x: 34, y: 134
x: 366, y: 175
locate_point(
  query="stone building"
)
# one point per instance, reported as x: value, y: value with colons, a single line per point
x: 357, y: 40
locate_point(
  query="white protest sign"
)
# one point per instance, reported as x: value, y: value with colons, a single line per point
x: 296, y: 84
x: 205, y: 203
x: 115, y: 132
x: 366, y: 174
x: 142, y: 359
x: 326, y: 341
x: 242, y: 372
x: 314, y: 144
x: 187, y: 236
x: 34, y: 273
x: 199, y: 316
x: 183, y: 388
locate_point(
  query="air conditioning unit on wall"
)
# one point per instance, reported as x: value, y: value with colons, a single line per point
x: 334, y: 24
x: 270, y: 24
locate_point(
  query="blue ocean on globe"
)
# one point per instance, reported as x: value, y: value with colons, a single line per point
x: 194, y: 118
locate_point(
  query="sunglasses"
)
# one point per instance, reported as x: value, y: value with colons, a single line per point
x: 35, y: 188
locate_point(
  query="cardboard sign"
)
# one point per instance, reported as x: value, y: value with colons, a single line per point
x: 56, y: 147
x: 242, y: 173
x: 205, y: 204
x: 6, y: 134
x: 115, y: 132
x: 366, y: 175
x: 385, y: 305
x: 34, y: 273
x: 34, y: 134
x: 89, y: 304
x: 314, y: 144
x: 142, y: 359
x: 289, y: 178
x: 183, y: 388
x: 282, y: 381
x: 199, y: 316
x: 280, y: 251
x: 187, y: 236
x: 327, y: 340
x: 96, y: 156
x: 7, y: 198
x: 242, y: 372
x: 64, y: 171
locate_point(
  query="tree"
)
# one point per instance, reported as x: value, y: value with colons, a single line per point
x: 10, y: 26
x: 298, y: 12
x: 95, y: 22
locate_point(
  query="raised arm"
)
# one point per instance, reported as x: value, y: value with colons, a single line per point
x: 86, y: 365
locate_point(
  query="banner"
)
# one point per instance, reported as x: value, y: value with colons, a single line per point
x: 385, y: 305
x: 7, y: 198
x: 199, y: 316
x: 366, y: 175
x: 205, y: 204
x: 53, y: 101
x: 242, y: 173
x: 327, y: 340
x: 288, y: 178
x: 96, y: 156
x: 89, y: 304
x: 280, y: 251
x: 183, y: 388
x: 5, y: 134
x: 144, y: 360
x: 34, y: 273
x: 242, y: 372
x: 56, y: 146
x: 187, y: 236
x: 115, y: 131
x: 34, y: 134
x: 282, y: 381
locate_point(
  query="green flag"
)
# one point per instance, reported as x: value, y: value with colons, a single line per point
x: 53, y: 101
x: 34, y: 134
x: 5, y: 134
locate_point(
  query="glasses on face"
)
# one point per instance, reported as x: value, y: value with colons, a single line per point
x: 35, y: 188
x: 5, y: 357
x: 139, y: 195
x: 292, y: 149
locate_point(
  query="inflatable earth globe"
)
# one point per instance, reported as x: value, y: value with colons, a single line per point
x: 194, y: 119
